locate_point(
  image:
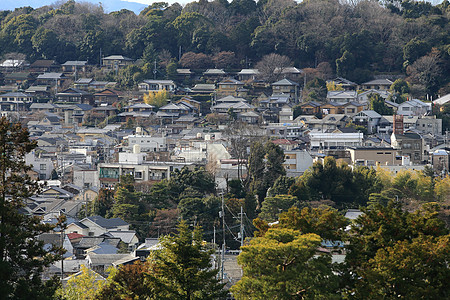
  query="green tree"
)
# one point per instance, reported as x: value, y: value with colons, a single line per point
x: 324, y: 221
x: 22, y: 256
x: 282, y: 265
x: 281, y: 185
x: 413, y: 269
x: 272, y: 206
x: 384, y: 230
x: 182, y: 268
x: 377, y: 104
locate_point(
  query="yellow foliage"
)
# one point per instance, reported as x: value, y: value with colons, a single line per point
x: 82, y: 287
x: 332, y: 86
x: 442, y: 189
x: 157, y: 99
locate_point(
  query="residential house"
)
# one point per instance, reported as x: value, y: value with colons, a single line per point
x: 44, y: 66
x: 74, y: 66
x: 364, y: 96
x: 105, y: 110
x: 73, y: 113
x: 328, y: 123
x: 138, y: 110
x: 367, y: 118
x: 373, y: 156
x: 320, y: 140
x: 39, y: 91
x: 310, y: 108
x: 14, y: 64
x: 148, y: 143
x: 18, y: 78
x: 290, y: 73
x: 157, y: 85
x: 184, y: 74
x: 98, y: 225
x: 235, y: 107
x: 83, y: 83
x: 296, y: 162
x: 284, y: 130
x: 410, y: 145
x: 140, y: 169
x: 377, y: 84
x: 116, y: 62
x: 173, y: 111
x: 341, y: 96
x: 106, y: 96
x: 286, y: 114
x: 128, y: 237
x: 440, y: 161
x: 413, y: 107
x: 43, y: 107
x: 332, y: 108
x: 86, y: 177
x: 231, y: 87
x: 347, y: 85
x: 202, y: 88
x: 43, y: 166
x: 286, y: 86
x: 429, y: 124
x: 15, y: 101
x: 51, y: 79
x: 73, y: 95
x: 193, y: 103
x: 352, y: 107
x: 249, y: 117
x: 248, y: 74
x: 214, y: 74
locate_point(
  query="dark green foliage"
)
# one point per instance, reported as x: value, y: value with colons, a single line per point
x: 392, y: 229
x: 265, y: 166
x: 377, y: 104
x: 22, y: 256
x: 281, y: 186
x: 182, y: 268
x: 338, y: 183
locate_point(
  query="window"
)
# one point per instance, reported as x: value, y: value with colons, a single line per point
x: 138, y: 175
x: 43, y: 167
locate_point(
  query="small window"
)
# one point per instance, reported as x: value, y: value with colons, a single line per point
x: 43, y: 167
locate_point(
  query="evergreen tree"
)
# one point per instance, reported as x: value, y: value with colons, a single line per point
x: 22, y: 256
x: 182, y: 268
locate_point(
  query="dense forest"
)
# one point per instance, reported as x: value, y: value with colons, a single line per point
x: 353, y: 39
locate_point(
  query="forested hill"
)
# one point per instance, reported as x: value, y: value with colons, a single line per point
x: 108, y: 5
x: 357, y: 39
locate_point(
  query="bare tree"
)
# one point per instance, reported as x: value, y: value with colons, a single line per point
x: 271, y: 66
x: 240, y: 136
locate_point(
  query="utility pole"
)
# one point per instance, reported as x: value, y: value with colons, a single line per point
x: 242, y: 227
x: 223, y: 233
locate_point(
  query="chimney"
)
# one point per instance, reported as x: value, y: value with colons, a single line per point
x: 398, y: 124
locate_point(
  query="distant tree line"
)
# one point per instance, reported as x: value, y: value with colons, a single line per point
x: 356, y: 39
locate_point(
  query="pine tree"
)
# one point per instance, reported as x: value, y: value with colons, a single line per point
x: 182, y: 269
x: 22, y: 257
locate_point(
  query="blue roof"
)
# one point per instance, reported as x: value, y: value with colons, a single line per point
x: 107, y: 223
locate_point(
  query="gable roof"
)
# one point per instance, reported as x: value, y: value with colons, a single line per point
x: 442, y: 100
x: 107, y: 223
x: 285, y: 82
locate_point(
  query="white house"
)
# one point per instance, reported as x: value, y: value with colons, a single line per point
x: 157, y: 85
x: 413, y: 107
x: 335, y: 140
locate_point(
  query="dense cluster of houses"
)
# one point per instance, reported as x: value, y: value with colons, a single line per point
x: 193, y: 129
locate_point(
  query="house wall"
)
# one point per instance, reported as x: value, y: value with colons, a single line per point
x: 297, y: 162
x: 373, y: 157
